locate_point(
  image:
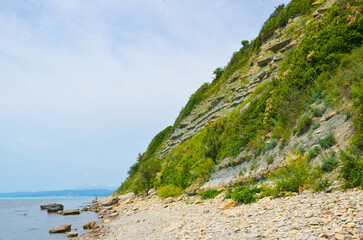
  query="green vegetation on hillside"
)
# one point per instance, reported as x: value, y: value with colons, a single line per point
x: 326, y: 66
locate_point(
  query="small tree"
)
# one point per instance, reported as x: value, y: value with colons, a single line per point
x: 148, y: 171
x: 245, y: 44
x: 218, y: 73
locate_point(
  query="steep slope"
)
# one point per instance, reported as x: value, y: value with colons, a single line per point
x: 296, y: 90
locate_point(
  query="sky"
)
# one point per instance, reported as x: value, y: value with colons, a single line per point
x: 86, y: 84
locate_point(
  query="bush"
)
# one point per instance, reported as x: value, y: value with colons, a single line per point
x: 169, y: 191
x: 270, y: 145
x: 133, y: 169
x: 254, y: 164
x: 291, y: 177
x: 312, y: 153
x: 329, y: 163
x: 318, y: 112
x: 211, y: 193
x: 243, y: 194
x: 303, y: 124
x: 322, y: 184
x: 328, y: 141
x: 270, y: 159
x: 351, y: 169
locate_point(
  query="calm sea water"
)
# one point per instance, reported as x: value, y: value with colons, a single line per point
x: 22, y: 218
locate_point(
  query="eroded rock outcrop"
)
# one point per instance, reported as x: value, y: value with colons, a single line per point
x: 61, y: 229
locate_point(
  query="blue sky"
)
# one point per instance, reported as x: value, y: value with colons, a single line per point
x: 86, y: 85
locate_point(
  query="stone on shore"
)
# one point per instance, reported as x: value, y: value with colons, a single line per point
x: 61, y: 229
x: 108, y: 201
x: 126, y: 196
x: 72, y: 234
x: 90, y: 225
x: 69, y: 212
x: 151, y: 192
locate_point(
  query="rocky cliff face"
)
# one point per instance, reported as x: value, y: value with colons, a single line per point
x: 239, y: 86
x: 272, y: 62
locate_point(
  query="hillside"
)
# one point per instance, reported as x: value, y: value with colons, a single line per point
x: 287, y: 108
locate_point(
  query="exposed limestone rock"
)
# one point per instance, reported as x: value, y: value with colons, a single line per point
x: 61, y: 229
x: 72, y: 234
x: 317, y: 2
x: 90, y: 225
x: 108, y: 201
x: 264, y: 62
x: 126, y: 196
x: 69, y: 212
x: 323, y: 9
x: 278, y: 46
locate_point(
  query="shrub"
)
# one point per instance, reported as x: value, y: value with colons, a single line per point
x: 301, y: 150
x: 291, y: 177
x: 328, y: 141
x: 318, y: 112
x: 351, y: 169
x: 169, y: 191
x: 303, y: 124
x: 312, y: 153
x: 133, y: 169
x: 254, y: 164
x: 211, y: 193
x: 322, y: 184
x: 316, y: 125
x: 329, y: 163
x: 270, y: 159
x: 270, y: 145
x: 281, y: 147
x: 243, y: 194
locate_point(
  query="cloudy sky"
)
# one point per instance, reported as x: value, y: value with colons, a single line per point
x: 85, y: 85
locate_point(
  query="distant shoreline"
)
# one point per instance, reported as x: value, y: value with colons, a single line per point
x: 49, y: 197
x: 87, y: 193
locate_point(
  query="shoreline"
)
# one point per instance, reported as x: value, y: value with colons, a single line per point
x: 336, y: 215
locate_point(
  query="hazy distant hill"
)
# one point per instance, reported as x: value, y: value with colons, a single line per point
x: 61, y: 193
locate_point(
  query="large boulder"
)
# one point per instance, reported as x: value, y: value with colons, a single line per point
x: 61, y: 229
x: 53, y: 207
x: 108, y: 201
x: 126, y: 196
x: 69, y: 212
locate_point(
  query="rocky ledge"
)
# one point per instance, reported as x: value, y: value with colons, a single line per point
x: 335, y: 215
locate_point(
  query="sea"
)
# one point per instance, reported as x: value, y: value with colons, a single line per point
x: 22, y: 218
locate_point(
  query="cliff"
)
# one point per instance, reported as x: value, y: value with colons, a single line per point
x: 294, y: 92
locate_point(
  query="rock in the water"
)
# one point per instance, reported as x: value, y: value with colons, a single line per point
x: 86, y: 208
x: 69, y: 212
x: 72, y: 234
x: 126, y: 196
x: 61, y: 229
x: 108, y: 201
x: 53, y: 207
x: 90, y: 225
